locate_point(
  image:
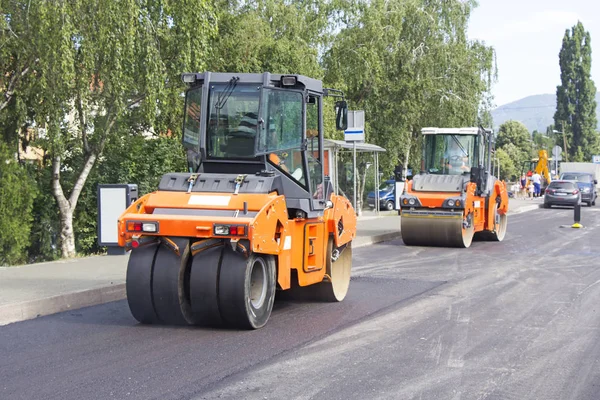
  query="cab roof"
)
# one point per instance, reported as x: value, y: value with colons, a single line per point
x: 265, y: 78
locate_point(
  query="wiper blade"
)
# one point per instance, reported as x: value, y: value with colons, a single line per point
x: 460, y: 145
x: 224, y: 95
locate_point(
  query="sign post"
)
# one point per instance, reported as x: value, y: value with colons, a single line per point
x: 356, y: 133
x: 556, y: 155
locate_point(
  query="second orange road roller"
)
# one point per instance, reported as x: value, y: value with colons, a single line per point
x: 255, y: 213
x: 455, y: 197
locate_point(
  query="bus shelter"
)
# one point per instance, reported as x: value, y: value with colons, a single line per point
x: 335, y: 150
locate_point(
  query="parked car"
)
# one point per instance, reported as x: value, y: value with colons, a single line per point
x: 562, y: 193
x: 586, y: 183
x: 386, y: 196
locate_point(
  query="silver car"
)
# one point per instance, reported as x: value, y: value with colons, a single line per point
x: 562, y: 193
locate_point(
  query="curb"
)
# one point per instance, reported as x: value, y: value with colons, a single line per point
x: 63, y: 302
x: 525, y: 209
x: 377, y: 239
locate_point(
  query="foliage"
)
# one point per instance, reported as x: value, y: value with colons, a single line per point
x: 514, y: 143
x: 509, y: 169
x: 409, y: 65
x: 576, y: 104
x: 144, y: 163
x: 17, y: 194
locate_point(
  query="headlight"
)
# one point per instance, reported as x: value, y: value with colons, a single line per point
x: 586, y: 190
x: 411, y: 202
x: 451, y: 203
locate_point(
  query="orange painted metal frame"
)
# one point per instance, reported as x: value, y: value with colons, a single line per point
x: 270, y: 231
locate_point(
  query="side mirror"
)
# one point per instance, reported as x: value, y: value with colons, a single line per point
x: 595, y: 181
x: 341, y: 119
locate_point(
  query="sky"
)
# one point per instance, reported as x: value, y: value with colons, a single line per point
x: 527, y: 36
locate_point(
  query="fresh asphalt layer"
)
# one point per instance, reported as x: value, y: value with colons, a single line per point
x: 518, y: 319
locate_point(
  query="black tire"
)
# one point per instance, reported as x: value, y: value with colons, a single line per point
x: 246, y: 289
x: 204, y: 286
x: 170, y: 284
x: 138, y: 284
x: 546, y: 205
x: 389, y: 206
x: 589, y: 203
x: 594, y: 202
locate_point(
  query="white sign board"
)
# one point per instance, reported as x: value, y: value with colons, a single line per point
x: 356, y: 126
x: 113, y: 201
x: 596, y: 159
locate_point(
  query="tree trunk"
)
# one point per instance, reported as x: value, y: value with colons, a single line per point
x: 66, y: 208
x: 67, y: 236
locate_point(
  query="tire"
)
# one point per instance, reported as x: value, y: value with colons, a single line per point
x: 546, y: 205
x: 138, y: 284
x: 246, y: 289
x: 204, y: 286
x: 170, y: 284
x: 589, y: 203
x: 389, y: 206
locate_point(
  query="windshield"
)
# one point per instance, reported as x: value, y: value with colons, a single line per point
x: 562, y: 185
x: 577, y: 177
x: 386, y: 187
x: 232, y: 125
x: 450, y: 154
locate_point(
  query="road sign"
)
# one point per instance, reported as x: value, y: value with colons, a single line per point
x: 596, y: 159
x: 557, y: 153
x: 356, y: 126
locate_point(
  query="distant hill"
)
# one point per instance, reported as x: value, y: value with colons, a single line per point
x: 535, y: 112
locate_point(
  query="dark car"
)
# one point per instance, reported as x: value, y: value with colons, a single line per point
x: 386, y: 196
x: 586, y: 183
x: 562, y: 193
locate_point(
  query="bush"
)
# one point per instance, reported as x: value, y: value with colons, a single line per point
x: 17, y: 193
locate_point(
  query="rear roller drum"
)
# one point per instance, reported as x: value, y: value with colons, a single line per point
x: 435, y: 231
x: 204, y: 286
x: 138, y: 284
x: 500, y: 224
x: 170, y: 284
x: 246, y: 289
x: 336, y: 287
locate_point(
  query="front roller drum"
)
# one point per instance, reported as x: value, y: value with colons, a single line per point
x: 246, y: 289
x: 435, y: 231
x: 338, y: 269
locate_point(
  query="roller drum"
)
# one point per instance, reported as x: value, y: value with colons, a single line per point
x: 435, y: 229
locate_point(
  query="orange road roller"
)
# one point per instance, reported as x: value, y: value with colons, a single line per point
x: 455, y: 197
x: 254, y: 214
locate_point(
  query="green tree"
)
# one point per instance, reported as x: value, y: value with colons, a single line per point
x: 514, y: 139
x: 409, y: 65
x: 509, y: 170
x: 16, y: 202
x: 104, y: 65
x: 576, y: 105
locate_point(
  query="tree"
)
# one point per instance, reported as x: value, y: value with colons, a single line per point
x: 514, y: 139
x: 508, y: 169
x: 576, y: 105
x: 102, y: 65
x: 16, y: 202
x: 409, y: 65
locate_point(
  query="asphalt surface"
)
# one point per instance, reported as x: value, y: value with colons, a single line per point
x: 518, y: 319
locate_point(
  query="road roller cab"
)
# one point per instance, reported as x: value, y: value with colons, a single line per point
x: 255, y: 212
x: 454, y: 197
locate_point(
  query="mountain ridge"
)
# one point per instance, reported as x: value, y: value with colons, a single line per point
x: 536, y: 112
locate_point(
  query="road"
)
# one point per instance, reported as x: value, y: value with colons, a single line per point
x: 518, y: 319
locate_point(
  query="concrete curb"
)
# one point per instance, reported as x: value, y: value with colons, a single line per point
x: 63, y: 302
x: 525, y: 209
x: 377, y: 239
